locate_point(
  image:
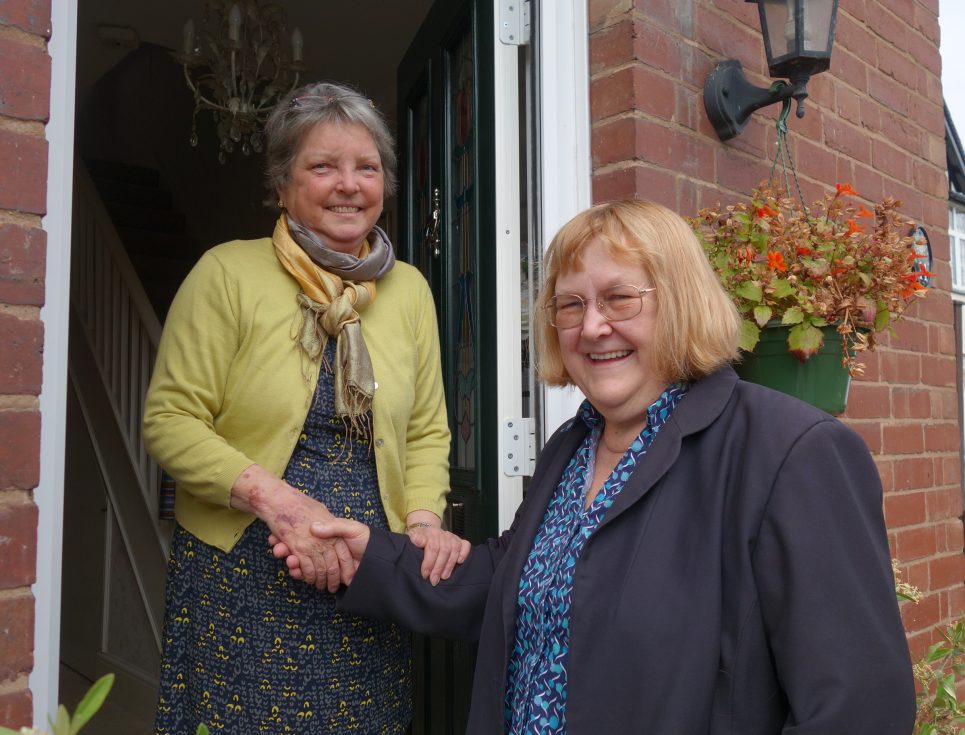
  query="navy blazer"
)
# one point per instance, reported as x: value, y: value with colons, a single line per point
x: 740, y: 584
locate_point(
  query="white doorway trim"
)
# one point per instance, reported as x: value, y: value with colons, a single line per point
x: 565, y: 175
x: 49, y: 495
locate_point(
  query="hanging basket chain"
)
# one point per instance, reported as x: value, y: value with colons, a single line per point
x: 784, y: 152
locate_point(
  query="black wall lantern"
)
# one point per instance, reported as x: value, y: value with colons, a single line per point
x: 798, y: 36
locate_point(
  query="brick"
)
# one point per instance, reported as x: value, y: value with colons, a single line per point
x: 19, y: 449
x: 849, y: 140
x: 902, y: 133
x: 916, y: 543
x: 25, y: 82
x: 944, y: 503
x: 911, y: 403
x: 914, y: 472
x: 606, y: 12
x: 936, y: 370
x: 637, y: 182
x: 897, y: 66
x: 851, y: 69
x: 726, y: 38
x: 887, y: 26
x: 925, y: 614
x: 900, y: 367
x: 911, y: 335
x: 869, y: 401
x: 889, y: 160
x: 903, y: 439
x: 871, y: 434
x: 852, y: 35
x: 943, y: 438
x: 951, y: 470
x: 18, y: 544
x: 21, y: 359
x: 23, y: 159
x: 16, y: 634
x: 888, y: 92
x: 22, y: 265
x: 929, y: 179
x: 32, y: 16
x: 738, y: 172
x: 16, y: 708
x: 946, y: 571
x: 612, y: 46
x: 634, y: 88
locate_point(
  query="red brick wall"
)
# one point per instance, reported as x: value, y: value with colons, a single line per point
x: 24, y: 106
x: 875, y: 119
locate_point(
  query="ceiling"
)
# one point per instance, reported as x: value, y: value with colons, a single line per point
x: 357, y: 41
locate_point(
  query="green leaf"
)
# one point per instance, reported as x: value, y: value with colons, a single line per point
x: 61, y: 726
x: 794, y: 315
x: 91, y: 702
x: 749, y: 335
x: 882, y: 319
x: 782, y: 289
x: 8, y: 731
x: 750, y: 290
x: 762, y: 315
x: 742, y: 217
x: 945, y: 692
x: 202, y: 730
x: 759, y: 240
x: 804, y: 341
x: 926, y: 729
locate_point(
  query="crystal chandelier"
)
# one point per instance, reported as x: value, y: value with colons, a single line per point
x: 236, y: 67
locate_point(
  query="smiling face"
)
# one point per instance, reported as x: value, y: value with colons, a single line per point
x: 336, y: 186
x: 611, y: 361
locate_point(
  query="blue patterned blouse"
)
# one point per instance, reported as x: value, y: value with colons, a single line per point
x: 536, y: 689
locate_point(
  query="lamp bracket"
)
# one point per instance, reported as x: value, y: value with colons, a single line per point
x: 730, y: 99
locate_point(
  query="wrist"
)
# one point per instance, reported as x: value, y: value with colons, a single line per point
x: 419, y: 524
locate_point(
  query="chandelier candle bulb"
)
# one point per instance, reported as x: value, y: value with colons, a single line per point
x: 188, y: 37
x: 234, y: 24
x: 298, y: 44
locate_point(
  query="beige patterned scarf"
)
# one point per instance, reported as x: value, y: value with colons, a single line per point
x: 335, y: 288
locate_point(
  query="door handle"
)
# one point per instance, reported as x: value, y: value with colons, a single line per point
x: 432, y: 225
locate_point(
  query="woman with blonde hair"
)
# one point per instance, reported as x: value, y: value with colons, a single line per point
x: 695, y: 555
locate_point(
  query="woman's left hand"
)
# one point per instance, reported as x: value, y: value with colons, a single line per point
x: 442, y: 550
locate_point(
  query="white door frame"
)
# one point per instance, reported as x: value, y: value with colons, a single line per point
x: 566, y: 174
x: 564, y: 140
x: 565, y: 180
x: 49, y: 495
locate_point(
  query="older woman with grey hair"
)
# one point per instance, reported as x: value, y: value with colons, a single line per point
x: 298, y: 376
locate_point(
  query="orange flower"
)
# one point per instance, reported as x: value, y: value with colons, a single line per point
x: 846, y: 189
x: 854, y: 227
x: 775, y: 261
x: 864, y: 212
x: 801, y: 250
x: 765, y: 212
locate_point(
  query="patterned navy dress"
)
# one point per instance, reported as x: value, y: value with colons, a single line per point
x: 249, y: 650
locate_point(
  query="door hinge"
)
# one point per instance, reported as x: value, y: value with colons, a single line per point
x: 519, y: 447
x: 514, y: 23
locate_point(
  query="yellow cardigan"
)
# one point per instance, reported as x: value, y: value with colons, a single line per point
x: 231, y: 388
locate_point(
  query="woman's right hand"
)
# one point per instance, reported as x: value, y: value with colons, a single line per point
x: 353, y: 534
x: 289, y: 515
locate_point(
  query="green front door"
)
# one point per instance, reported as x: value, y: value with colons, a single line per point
x: 445, y: 91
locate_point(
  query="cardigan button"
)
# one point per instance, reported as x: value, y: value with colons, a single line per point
x: 379, y: 443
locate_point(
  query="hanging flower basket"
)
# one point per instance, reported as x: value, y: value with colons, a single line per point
x: 832, y: 277
x: 821, y: 381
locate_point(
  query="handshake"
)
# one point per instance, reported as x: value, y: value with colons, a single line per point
x: 332, y: 555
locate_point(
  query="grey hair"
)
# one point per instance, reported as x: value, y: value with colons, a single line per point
x: 317, y: 104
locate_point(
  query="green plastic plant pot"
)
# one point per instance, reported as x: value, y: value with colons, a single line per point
x: 821, y: 381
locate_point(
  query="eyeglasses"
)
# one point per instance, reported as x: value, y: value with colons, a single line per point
x: 614, y: 304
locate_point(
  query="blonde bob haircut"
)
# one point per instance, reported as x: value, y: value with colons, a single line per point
x: 696, y: 325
